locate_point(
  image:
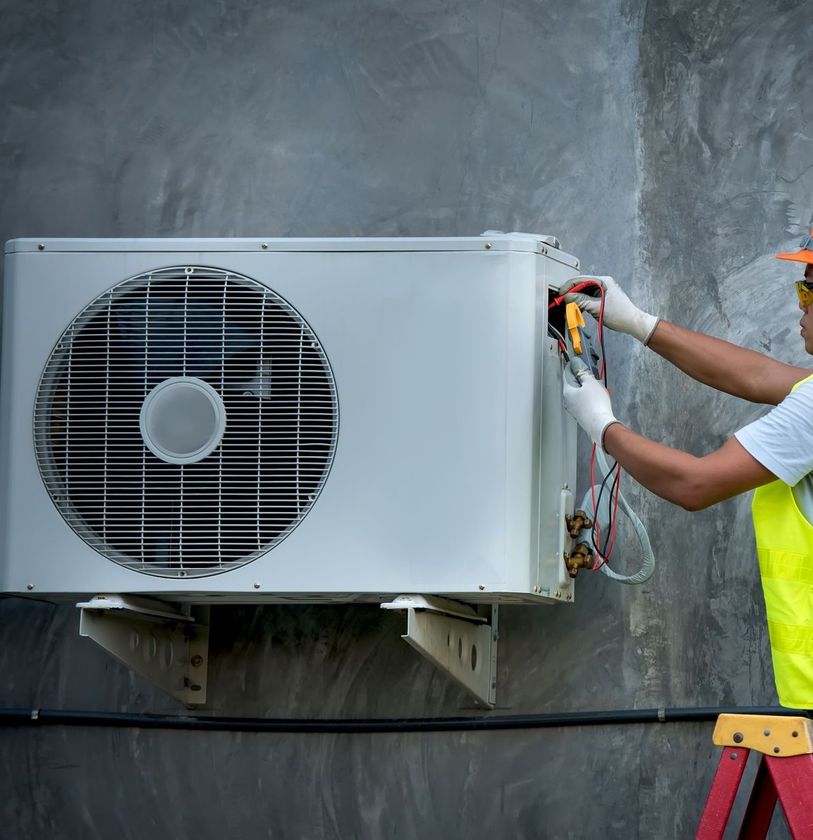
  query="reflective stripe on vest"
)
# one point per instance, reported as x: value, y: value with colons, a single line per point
x: 785, y: 550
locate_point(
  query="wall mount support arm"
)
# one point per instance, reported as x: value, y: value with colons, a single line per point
x: 454, y: 638
x: 166, y: 646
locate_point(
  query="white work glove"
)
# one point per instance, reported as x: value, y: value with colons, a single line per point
x: 620, y: 313
x: 587, y: 401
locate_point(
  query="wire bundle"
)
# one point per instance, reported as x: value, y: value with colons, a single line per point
x: 611, y: 482
x: 613, y: 476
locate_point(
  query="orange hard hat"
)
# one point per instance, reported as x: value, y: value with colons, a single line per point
x: 805, y: 252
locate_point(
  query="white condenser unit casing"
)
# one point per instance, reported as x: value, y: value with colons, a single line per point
x: 284, y: 419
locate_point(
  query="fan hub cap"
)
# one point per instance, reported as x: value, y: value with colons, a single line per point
x: 182, y: 420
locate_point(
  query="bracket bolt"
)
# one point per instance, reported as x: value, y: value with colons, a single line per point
x: 264, y: 246
x: 738, y: 737
x: 40, y: 247
x: 29, y: 586
x: 256, y: 585
x: 481, y: 587
x: 488, y: 246
x: 196, y: 661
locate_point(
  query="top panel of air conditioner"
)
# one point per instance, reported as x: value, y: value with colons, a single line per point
x: 290, y: 419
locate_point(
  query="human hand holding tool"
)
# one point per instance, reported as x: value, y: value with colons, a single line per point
x: 588, y: 401
x: 620, y: 313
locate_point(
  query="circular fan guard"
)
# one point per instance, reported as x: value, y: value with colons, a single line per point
x: 186, y: 519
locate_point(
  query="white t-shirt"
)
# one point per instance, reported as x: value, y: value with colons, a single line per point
x: 782, y: 441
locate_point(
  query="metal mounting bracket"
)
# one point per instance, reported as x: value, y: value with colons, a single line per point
x: 166, y: 646
x: 454, y: 638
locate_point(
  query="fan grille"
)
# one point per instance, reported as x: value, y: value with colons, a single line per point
x: 189, y: 519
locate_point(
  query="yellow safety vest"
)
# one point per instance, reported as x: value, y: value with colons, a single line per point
x: 785, y: 551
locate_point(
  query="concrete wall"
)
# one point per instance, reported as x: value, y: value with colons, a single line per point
x: 667, y: 143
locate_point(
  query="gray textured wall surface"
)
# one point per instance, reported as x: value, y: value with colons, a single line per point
x: 667, y: 143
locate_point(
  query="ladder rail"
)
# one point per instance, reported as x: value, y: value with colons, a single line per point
x: 758, y: 813
x: 793, y: 779
x: 723, y: 792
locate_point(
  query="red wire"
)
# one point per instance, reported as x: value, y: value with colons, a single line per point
x: 557, y: 301
x: 601, y: 560
x: 593, y: 498
x: 602, y: 372
x: 614, y: 518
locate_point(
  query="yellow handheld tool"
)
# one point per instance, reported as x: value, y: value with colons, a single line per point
x: 575, y: 321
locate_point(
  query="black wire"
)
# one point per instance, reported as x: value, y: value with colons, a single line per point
x: 594, y: 533
x: 555, y: 333
x: 611, y: 517
x: 594, y: 530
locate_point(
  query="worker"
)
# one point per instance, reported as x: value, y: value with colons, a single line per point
x: 774, y: 454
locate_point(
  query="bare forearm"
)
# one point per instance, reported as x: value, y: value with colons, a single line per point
x: 691, y: 482
x: 725, y: 366
x: 664, y: 471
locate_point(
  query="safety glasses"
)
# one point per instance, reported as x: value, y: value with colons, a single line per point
x: 804, y: 290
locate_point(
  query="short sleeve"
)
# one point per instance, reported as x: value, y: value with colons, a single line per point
x: 782, y: 439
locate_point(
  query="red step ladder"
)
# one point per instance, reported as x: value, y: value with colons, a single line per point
x: 785, y: 772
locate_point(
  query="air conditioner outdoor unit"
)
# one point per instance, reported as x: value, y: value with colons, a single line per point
x: 290, y: 420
